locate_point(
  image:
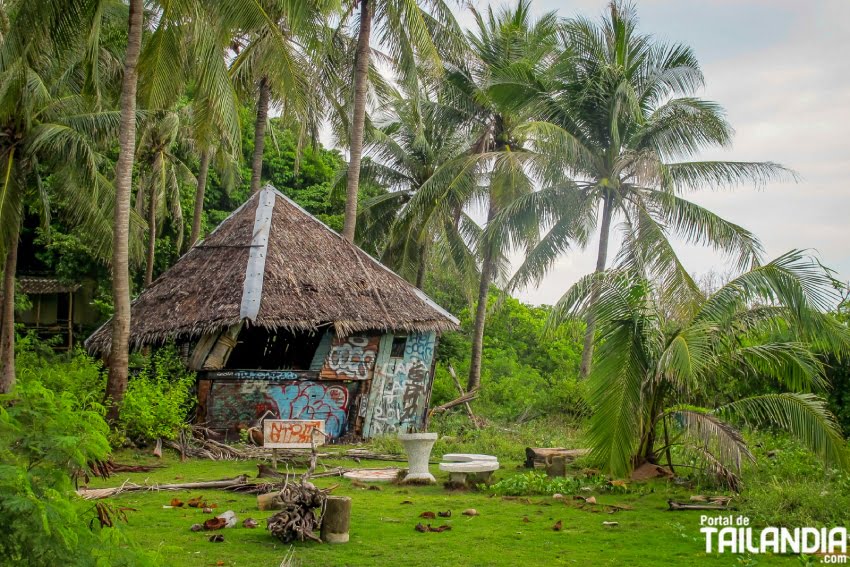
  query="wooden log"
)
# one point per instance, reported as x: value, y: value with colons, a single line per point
x: 336, y: 519
x: 540, y: 456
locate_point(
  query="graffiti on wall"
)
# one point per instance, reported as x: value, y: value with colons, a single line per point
x: 260, y: 374
x: 351, y: 358
x: 401, y: 402
x: 234, y: 405
x: 293, y: 433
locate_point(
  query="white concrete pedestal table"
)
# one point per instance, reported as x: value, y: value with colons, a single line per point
x: 418, y: 448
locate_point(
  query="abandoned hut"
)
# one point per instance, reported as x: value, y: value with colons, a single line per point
x: 278, y: 313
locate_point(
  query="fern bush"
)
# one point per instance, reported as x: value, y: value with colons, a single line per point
x: 46, y: 440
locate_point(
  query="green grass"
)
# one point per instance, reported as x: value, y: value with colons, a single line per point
x: 382, y: 527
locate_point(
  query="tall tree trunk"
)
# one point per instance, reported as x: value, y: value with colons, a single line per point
x: 199, y: 197
x: 422, y: 268
x: 601, y: 259
x: 358, y: 120
x: 7, y: 328
x: 116, y: 383
x: 260, y: 135
x: 487, y: 269
x: 151, y: 237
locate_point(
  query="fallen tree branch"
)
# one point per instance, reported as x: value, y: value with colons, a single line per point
x: 683, y: 506
x: 97, y: 493
x: 464, y: 399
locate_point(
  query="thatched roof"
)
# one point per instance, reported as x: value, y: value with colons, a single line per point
x: 272, y: 264
x: 34, y: 285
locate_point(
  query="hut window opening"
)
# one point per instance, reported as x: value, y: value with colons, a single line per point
x: 399, y: 343
x: 258, y: 348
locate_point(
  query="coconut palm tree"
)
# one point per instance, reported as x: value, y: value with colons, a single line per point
x: 655, y: 386
x: 414, y: 140
x: 277, y: 61
x: 161, y: 174
x: 413, y: 38
x: 188, y: 51
x: 50, y: 137
x: 119, y: 355
x: 617, y: 113
x: 497, y: 168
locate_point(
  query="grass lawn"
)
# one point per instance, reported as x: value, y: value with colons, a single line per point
x: 382, y: 527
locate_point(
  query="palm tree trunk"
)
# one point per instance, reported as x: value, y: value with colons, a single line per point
x: 487, y: 269
x: 199, y: 197
x: 116, y: 383
x: 7, y: 328
x: 601, y: 259
x: 358, y: 120
x: 151, y: 237
x: 421, y: 269
x: 260, y: 135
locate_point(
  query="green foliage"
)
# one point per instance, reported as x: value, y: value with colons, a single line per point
x: 158, y: 398
x: 46, y: 440
x: 791, y: 488
x: 74, y: 373
x: 457, y: 435
x: 655, y: 367
x: 536, y: 482
x: 525, y: 373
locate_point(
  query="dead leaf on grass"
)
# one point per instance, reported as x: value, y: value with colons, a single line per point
x: 215, y: 523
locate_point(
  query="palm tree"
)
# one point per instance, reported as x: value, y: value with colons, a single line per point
x: 277, y: 59
x: 161, y: 174
x: 497, y: 169
x: 413, y: 39
x: 657, y: 379
x: 50, y: 135
x: 190, y: 47
x: 415, y: 140
x: 617, y: 112
x: 119, y: 354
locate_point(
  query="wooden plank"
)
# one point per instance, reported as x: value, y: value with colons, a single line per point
x: 293, y: 433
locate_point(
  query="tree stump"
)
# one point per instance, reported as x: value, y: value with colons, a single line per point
x: 336, y: 519
x: 556, y: 466
x: 270, y: 501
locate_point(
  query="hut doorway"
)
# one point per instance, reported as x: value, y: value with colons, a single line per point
x: 259, y: 348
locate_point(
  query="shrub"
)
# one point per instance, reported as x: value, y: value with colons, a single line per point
x: 789, y: 487
x: 75, y: 373
x: 158, y: 399
x: 46, y: 439
x: 536, y: 482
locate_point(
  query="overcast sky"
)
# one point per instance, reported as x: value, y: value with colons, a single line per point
x: 781, y: 68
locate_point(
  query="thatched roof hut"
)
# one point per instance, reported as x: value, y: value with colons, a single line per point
x: 272, y: 264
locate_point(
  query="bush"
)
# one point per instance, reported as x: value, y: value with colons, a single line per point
x: 536, y: 482
x: 75, y: 373
x: 46, y: 440
x: 789, y: 487
x: 158, y: 399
